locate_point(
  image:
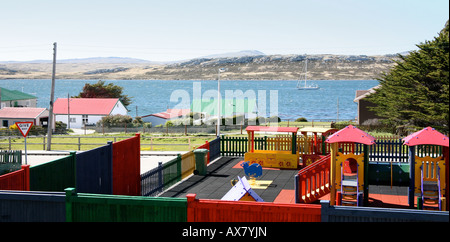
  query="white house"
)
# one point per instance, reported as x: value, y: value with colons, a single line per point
x: 163, y: 117
x: 87, y: 111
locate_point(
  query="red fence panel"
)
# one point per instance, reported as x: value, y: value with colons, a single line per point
x: 207, y: 210
x: 127, y: 167
x: 17, y: 180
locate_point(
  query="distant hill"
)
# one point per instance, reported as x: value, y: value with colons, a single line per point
x: 242, y: 65
x: 236, y: 54
x: 107, y: 60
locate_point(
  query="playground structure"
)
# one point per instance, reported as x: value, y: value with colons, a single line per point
x: 312, y: 151
x: 92, y: 204
x: 345, y: 176
x: 352, y: 183
x: 428, y: 175
x: 272, y: 158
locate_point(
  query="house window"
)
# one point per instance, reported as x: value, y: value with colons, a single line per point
x: 84, y: 119
x: 73, y: 120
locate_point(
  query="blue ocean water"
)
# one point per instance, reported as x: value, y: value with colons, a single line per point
x: 153, y: 96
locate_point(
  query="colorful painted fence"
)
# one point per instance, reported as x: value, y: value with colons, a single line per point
x: 31, y: 206
x: 99, y: 170
x: 165, y: 175
x: 385, y: 149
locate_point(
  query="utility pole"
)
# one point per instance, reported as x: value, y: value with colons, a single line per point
x: 219, y: 103
x: 68, y: 111
x: 52, y: 97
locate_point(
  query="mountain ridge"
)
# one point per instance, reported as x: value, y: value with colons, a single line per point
x: 242, y: 65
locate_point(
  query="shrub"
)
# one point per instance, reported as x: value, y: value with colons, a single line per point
x: 301, y: 119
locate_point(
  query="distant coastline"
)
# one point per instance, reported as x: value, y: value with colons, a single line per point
x: 246, y: 67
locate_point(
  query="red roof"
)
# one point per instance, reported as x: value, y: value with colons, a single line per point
x: 351, y: 134
x: 98, y: 106
x: 272, y: 129
x: 426, y: 136
x: 29, y: 113
x: 171, y: 113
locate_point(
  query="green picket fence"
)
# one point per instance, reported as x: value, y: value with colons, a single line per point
x: 10, y: 160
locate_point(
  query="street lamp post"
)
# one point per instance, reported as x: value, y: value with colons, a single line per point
x: 219, y: 100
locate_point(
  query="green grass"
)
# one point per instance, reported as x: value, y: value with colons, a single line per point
x: 161, y: 143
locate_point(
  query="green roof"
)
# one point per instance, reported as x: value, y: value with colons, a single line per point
x: 229, y: 107
x: 11, y: 95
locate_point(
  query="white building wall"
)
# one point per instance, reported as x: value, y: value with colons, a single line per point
x: 78, y: 122
x: 119, y: 108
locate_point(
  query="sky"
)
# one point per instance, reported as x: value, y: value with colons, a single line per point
x: 169, y: 30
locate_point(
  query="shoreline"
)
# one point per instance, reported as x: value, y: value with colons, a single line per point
x: 225, y: 80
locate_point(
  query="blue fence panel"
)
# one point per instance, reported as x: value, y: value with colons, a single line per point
x: 26, y: 206
x: 94, y: 170
x: 152, y: 181
x: 367, y: 214
x: 214, y: 149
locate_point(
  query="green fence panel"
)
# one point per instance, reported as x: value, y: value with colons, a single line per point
x: 83, y: 207
x: 54, y: 176
x: 380, y: 173
x: 172, y: 172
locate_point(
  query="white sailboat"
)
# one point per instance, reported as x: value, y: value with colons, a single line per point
x: 305, y: 86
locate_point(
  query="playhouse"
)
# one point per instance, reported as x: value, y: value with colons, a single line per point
x: 272, y: 158
x: 352, y: 184
x: 312, y: 148
x: 428, y: 175
x: 242, y: 191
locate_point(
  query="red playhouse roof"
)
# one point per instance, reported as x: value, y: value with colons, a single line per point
x: 271, y: 129
x: 426, y: 136
x: 351, y: 134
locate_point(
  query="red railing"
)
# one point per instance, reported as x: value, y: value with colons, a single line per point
x: 313, y: 181
x: 17, y: 180
x: 208, y: 210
